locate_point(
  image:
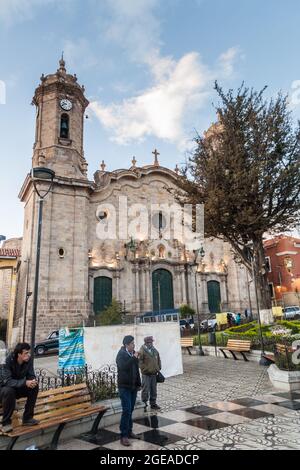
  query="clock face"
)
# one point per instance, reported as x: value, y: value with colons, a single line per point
x: 66, y: 104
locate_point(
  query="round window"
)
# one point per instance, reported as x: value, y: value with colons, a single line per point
x: 159, y: 221
x: 102, y: 215
x: 61, y: 252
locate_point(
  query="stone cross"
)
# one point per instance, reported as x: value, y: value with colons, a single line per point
x: 156, y: 153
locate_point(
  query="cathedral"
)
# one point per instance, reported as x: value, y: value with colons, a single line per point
x: 81, y: 271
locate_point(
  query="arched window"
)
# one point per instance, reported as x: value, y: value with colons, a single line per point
x: 64, y: 126
x: 102, y: 294
x: 214, y: 296
x: 162, y: 290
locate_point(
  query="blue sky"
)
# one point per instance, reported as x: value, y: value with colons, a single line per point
x: 148, y: 67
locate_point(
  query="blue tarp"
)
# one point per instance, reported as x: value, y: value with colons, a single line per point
x: 71, y: 349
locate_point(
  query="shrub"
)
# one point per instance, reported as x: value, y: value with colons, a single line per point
x: 111, y: 315
x: 186, y: 311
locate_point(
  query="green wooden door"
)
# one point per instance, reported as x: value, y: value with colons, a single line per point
x: 102, y: 293
x: 162, y: 288
x: 214, y: 296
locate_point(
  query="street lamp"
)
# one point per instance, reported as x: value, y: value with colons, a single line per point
x: 201, y: 252
x: 46, y: 175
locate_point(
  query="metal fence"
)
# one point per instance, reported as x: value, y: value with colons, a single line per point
x: 102, y: 383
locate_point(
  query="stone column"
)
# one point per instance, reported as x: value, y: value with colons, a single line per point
x: 183, y: 285
x: 135, y: 271
x: 116, y: 278
x: 204, y: 304
x: 147, y: 286
x: 224, y: 293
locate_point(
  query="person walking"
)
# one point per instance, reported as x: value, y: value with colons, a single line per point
x: 129, y: 382
x: 17, y: 380
x: 150, y: 365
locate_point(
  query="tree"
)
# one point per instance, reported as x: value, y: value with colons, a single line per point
x: 246, y: 171
x: 111, y: 315
x: 186, y: 311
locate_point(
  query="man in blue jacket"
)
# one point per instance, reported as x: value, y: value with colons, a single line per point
x: 17, y: 380
x: 129, y: 382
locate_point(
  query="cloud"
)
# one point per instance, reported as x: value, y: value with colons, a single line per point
x: 294, y: 99
x: 78, y: 54
x: 162, y: 110
x: 179, y: 88
x: 227, y: 60
x: 12, y: 11
x: 159, y: 110
x: 134, y: 26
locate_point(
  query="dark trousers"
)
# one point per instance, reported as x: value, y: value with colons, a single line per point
x: 128, y: 398
x: 8, y: 397
x: 149, y: 389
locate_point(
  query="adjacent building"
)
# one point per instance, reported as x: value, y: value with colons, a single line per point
x: 283, y: 259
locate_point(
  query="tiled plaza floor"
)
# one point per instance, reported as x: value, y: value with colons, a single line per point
x: 216, y: 404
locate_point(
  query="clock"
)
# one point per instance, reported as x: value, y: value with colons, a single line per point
x: 66, y: 104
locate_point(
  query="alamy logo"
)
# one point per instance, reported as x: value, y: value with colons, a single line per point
x: 151, y: 222
x: 2, y: 92
x: 296, y: 354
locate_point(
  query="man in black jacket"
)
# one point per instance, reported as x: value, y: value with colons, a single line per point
x: 129, y: 382
x: 17, y: 380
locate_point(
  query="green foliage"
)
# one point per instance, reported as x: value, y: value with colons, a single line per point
x: 250, y: 331
x: 101, y: 390
x: 245, y: 170
x: 186, y: 311
x: 111, y: 315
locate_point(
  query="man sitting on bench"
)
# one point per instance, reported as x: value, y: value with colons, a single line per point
x: 17, y: 380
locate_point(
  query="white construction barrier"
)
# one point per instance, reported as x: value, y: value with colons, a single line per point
x: 101, y: 344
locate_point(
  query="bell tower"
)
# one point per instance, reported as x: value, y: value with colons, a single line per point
x: 60, y: 107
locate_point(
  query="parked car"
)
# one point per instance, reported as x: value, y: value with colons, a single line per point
x: 291, y: 312
x: 209, y: 325
x: 185, y: 322
x: 50, y: 344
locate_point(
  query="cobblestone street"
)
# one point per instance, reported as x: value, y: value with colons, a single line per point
x: 209, y: 379
x: 216, y: 404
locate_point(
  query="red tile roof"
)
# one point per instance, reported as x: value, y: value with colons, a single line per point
x: 10, y: 253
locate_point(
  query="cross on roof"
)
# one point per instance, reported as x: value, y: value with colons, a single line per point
x: 156, y: 153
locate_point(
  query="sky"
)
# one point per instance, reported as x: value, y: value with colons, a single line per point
x: 148, y: 67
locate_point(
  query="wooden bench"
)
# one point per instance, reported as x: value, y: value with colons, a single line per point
x: 280, y: 349
x: 55, y: 408
x: 187, y: 343
x: 236, y: 345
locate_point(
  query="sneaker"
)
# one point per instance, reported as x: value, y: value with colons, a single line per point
x: 6, y: 428
x: 155, y: 407
x: 31, y: 422
x: 145, y: 406
x: 125, y: 442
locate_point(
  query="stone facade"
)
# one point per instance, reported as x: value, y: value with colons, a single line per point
x: 73, y: 256
x: 6, y: 276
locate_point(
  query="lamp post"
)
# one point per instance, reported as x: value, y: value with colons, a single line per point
x: 46, y: 175
x: 201, y: 252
